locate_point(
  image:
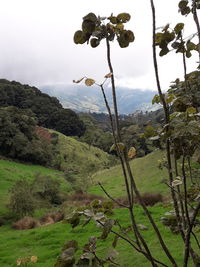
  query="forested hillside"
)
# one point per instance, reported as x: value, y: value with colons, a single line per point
x: 47, y: 110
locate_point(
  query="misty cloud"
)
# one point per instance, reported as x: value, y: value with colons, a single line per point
x: 37, y: 43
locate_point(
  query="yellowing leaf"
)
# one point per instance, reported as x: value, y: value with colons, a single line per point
x: 132, y: 153
x: 78, y: 81
x: 109, y: 75
x: 89, y: 82
x: 191, y: 110
x: 120, y: 26
x: 119, y: 146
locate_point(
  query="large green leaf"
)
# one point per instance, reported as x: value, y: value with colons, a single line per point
x: 79, y: 37
x: 91, y: 16
x: 88, y: 26
x: 164, y: 51
x: 94, y: 42
x: 113, y: 19
x: 182, y: 4
x: 178, y: 28
x: 123, y: 17
x: 130, y: 36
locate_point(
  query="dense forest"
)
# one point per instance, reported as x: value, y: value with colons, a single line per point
x: 24, y: 108
x: 47, y: 110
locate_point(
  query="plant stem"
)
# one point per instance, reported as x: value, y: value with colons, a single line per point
x: 189, y: 230
x: 196, y: 20
x: 125, y: 160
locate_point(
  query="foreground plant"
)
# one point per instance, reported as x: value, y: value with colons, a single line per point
x: 94, y: 30
x: 181, y: 129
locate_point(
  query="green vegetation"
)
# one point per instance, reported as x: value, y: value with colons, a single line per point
x: 19, y: 138
x: 48, y: 110
x: 148, y: 176
x: 11, y: 172
x: 95, y: 134
x: 46, y: 242
x: 80, y: 158
x: 165, y: 234
x: 90, y: 159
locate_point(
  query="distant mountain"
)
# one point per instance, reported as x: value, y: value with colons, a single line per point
x: 89, y: 99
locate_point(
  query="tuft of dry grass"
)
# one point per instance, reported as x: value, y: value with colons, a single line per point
x: 26, y: 223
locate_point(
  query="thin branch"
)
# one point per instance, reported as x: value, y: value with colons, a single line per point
x: 196, y: 20
x: 133, y: 245
x: 130, y: 199
x: 131, y: 176
x: 196, y: 239
x: 185, y: 190
x: 109, y: 196
x: 123, y: 159
x: 187, y: 238
x: 96, y: 257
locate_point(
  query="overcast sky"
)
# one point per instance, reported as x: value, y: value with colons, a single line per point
x: 37, y: 46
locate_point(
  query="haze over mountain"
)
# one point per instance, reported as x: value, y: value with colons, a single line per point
x: 90, y: 99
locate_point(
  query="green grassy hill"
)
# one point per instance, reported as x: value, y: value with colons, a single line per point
x: 75, y: 157
x: 81, y: 158
x: 145, y: 170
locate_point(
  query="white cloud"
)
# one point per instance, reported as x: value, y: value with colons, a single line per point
x: 37, y: 42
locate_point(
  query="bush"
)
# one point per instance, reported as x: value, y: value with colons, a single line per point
x: 22, y: 202
x: 47, y: 188
x: 151, y: 199
x: 2, y: 222
x: 81, y: 198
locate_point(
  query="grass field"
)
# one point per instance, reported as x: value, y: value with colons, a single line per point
x: 46, y: 242
x: 76, y: 157
x: 80, y: 157
x: 145, y: 170
x: 11, y: 171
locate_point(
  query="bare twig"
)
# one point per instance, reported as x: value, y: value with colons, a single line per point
x: 133, y: 245
x: 109, y: 196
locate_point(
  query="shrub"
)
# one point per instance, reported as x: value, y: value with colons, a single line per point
x: 47, y: 188
x: 2, y: 222
x: 79, y: 195
x: 151, y: 199
x: 22, y: 202
x: 69, y: 177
